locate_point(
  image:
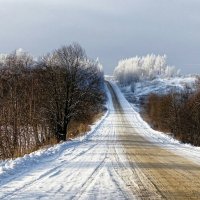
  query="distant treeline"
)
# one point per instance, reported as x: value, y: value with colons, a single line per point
x: 177, y: 113
x: 43, y: 101
x: 129, y: 71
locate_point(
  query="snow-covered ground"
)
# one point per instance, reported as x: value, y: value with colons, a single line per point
x: 71, y: 170
x: 93, y: 167
x: 159, y: 138
x: 159, y: 86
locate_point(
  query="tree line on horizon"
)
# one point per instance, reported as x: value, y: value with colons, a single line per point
x: 43, y: 101
x: 131, y: 70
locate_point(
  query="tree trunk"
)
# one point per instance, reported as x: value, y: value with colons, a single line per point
x: 60, y: 134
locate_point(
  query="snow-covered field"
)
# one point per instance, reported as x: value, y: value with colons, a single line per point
x: 159, y: 86
x: 93, y: 167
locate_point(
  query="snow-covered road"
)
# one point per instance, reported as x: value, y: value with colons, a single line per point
x: 112, y: 162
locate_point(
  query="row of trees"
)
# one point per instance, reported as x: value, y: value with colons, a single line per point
x: 142, y: 68
x: 40, y: 99
x: 178, y: 113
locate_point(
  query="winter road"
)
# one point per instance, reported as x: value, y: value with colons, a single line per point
x: 116, y: 161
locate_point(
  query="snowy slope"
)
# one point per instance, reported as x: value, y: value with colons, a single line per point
x: 10, y: 169
x: 157, y: 137
x: 72, y: 170
x: 142, y: 89
x: 93, y: 167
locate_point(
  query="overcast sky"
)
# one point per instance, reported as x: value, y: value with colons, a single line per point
x: 108, y: 29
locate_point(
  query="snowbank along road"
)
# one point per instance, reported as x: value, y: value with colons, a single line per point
x: 118, y: 160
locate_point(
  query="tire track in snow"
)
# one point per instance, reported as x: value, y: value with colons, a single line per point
x: 160, y: 170
x: 43, y: 175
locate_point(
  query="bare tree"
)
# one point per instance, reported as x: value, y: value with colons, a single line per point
x: 39, y: 100
x: 73, y: 82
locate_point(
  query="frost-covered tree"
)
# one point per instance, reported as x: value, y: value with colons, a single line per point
x: 143, y: 68
x: 53, y: 97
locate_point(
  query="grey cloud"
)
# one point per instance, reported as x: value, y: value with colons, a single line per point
x: 108, y: 29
